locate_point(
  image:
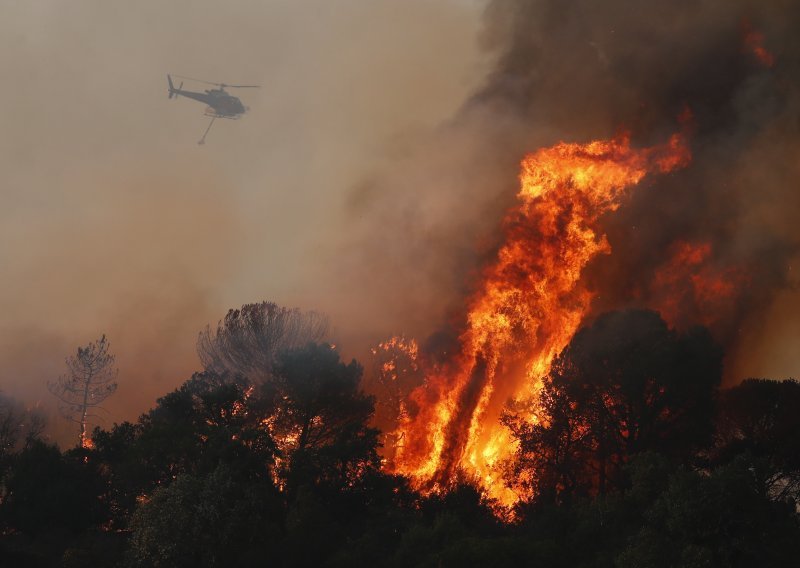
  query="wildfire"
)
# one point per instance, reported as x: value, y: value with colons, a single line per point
x: 528, y: 305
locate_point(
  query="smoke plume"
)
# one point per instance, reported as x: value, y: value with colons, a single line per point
x: 584, y: 70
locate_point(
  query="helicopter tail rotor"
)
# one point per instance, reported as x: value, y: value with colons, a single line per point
x: 173, y: 92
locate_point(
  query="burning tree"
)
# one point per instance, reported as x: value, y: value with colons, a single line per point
x: 396, y: 371
x: 319, y: 418
x: 248, y: 340
x: 625, y: 385
x: 529, y: 304
x: 88, y: 382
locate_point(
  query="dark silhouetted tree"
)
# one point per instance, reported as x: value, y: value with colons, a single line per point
x: 294, y: 454
x: 88, y: 382
x: 720, y: 518
x: 320, y: 417
x: 625, y: 384
x: 249, y: 339
x: 217, y: 519
x: 19, y: 426
x: 208, y: 421
x: 47, y: 491
x: 760, y: 418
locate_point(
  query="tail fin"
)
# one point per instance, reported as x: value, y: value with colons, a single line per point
x: 172, y: 92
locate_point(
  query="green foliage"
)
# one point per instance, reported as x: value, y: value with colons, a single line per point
x: 721, y: 519
x: 218, y: 519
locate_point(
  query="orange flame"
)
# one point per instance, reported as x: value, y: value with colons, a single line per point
x: 528, y: 306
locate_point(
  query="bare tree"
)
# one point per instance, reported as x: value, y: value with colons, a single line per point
x: 248, y: 339
x: 88, y: 382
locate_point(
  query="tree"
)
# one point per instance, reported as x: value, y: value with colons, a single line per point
x: 624, y: 385
x: 207, y: 421
x: 17, y: 425
x: 760, y: 418
x: 217, y: 519
x: 320, y: 417
x: 249, y: 339
x: 50, y: 491
x: 220, y: 467
x: 551, y: 451
x: 717, y: 518
x: 396, y: 371
x: 88, y: 382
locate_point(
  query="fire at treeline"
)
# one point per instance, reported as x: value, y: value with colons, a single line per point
x: 627, y: 454
x: 580, y: 407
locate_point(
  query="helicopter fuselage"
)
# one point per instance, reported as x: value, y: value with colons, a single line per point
x: 221, y: 103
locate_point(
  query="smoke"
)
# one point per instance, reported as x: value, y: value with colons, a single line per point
x: 370, y: 176
x: 583, y: 70
x: 131, y: 262
x: 113, y: 220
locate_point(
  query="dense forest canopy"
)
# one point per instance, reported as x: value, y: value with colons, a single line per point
x: 638, y: 459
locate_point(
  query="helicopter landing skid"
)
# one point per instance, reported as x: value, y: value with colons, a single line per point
x: 211, y: 113
x: 214, y: 116
x: 210, y: 124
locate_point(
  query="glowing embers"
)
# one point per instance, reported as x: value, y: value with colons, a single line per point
x: 527, y: 306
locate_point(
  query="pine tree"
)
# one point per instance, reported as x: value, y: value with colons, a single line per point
x: 88, y: 382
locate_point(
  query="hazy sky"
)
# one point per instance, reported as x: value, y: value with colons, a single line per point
x: 115, y: 221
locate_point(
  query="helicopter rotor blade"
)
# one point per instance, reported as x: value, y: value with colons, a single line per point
x: 198, y: 80
x: 223, y: 85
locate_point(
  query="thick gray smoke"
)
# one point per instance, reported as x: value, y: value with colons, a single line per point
x: 581, y: 70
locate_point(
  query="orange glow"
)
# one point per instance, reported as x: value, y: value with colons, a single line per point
x: 397, y: 356
x: 754, y: 43
x: 690, y: 288
x: 527, y: 306
x: 396, y: 370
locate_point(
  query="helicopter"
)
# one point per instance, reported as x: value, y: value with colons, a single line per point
x: 221, y: 104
